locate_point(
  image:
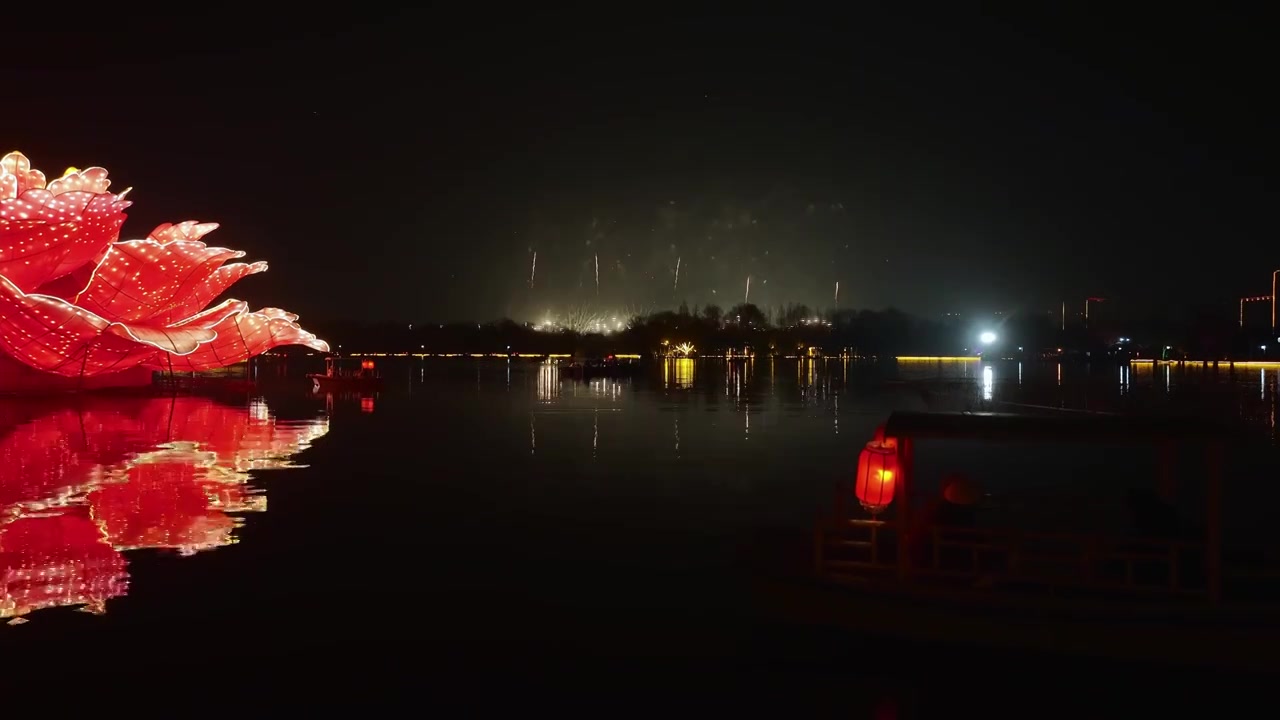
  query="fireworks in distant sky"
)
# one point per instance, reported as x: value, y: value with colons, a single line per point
x: 636, y: 258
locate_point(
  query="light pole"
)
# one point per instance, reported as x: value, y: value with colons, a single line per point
x: 1086, y: 308
x: 1274, y: 275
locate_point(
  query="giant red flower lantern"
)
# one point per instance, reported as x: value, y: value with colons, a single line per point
x: 75, y: 301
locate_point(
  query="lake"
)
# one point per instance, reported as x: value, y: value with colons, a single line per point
x: 489, y: 519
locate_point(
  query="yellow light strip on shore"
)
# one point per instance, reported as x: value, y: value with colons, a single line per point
x: 1220, y: 363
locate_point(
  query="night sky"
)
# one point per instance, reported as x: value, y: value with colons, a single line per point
x: 406, y: 167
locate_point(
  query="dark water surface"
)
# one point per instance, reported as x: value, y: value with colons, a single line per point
x: 485, y: 524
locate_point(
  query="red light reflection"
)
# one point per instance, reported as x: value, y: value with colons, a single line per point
x: 78, y: 486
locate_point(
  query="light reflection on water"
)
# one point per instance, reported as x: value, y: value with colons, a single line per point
x: 1242, y: 394
x: 512, y: 486
x: 548, y: 381
x: 81, y: 485
x: 772, y: 435
x: 678, y: 373
x: 766, y: 390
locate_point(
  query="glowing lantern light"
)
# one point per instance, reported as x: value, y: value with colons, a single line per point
x: 366, y: 364
x: 76, y: 301
x: 878, y: 471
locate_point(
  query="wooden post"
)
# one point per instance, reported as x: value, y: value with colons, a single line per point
x: 905, y: 448
x: 1213, y: 522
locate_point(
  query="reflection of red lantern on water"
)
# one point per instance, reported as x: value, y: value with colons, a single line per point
x: 57, y: 560
x: 878, y: 470
x: 168, y: 505
x: 79, y: 486
x: 366, y: 404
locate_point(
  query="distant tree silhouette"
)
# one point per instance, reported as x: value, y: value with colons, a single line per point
x: 793, y: 313
x: 748, y: 315
x: 713, y: 314
x: 866, y: 332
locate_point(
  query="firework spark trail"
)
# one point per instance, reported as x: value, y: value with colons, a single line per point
x: 747, y: 297
x: 597, y: 257
x: 533, y: 270
x: 837, y: 292
x: 676, y: 286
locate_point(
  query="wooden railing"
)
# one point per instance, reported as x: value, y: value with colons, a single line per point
x: 1001, y: 558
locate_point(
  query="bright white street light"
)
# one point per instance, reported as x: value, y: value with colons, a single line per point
x: 987, y: 337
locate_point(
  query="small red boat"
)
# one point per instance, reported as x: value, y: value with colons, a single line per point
x: 333, y: 379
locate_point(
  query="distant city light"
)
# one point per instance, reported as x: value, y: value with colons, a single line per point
x: 987, y: 337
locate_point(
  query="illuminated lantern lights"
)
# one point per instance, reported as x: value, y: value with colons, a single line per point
x: 82, y: 486
x: 75, y: 302
x: 878, y: 472
x: 58, y: 560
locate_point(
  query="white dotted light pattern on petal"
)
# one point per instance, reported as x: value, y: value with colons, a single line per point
x: 53, y: 335
x: 75, y: 302
x: 47, y: 232
x: 160, y: 282
x: 241, y: 335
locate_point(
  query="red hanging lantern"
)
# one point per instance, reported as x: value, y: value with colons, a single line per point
x: 366, y: 364
x: 878, y: 470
